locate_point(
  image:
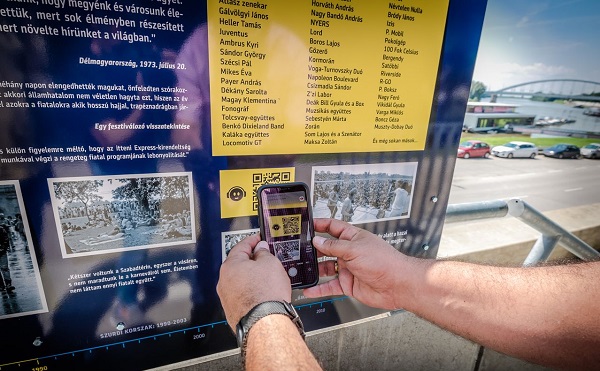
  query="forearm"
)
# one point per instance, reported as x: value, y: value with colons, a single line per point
x: 274, y: 343
x: 542, y: 314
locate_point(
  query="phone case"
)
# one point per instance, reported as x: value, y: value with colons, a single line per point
x: 313, y: 263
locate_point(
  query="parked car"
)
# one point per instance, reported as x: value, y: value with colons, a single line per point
x: 562, y: 150
x: 592, y: 150
x: 474, y: 148
x: 515, y: 149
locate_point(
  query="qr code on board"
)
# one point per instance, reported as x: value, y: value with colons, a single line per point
x: 287, y: 250
x: 259, y: 179
x: 291, y: 225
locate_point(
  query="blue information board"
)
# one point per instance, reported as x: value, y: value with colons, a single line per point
x: 116, y: 207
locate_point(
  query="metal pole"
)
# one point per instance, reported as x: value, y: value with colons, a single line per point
x: 541, y: 250
x: 476, y: 210
x: 532, y: 217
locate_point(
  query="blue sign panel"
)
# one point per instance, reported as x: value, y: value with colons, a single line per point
x: 115, y: 206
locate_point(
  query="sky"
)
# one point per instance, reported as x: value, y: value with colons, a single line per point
x: 528, y: 40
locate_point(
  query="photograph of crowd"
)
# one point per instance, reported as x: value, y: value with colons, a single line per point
x: 230, y: 239
x: 96, y: 215
x: 363, y: 193
x: 21, y: 291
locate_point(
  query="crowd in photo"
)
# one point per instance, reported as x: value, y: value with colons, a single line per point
x: 123, y: 217
x: 344, y: 192
x: 12, y: 231
x: 14, y: 227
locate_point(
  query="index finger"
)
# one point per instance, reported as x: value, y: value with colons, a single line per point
x: 244, y: 248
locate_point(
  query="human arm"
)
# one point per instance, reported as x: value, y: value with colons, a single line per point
x: 545, y: 315
x: 252, y: 275
x: 274, y: 343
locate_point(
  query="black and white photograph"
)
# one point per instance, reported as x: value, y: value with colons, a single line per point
x: 231, y: 238
x: 363, y: 193
x: 21, y: 290
x: 106, y: 214
x: 287, y: 251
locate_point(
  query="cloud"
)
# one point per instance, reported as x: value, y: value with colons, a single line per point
x: 501, y: 75
x: 535, y: 71
x: 523, y: 22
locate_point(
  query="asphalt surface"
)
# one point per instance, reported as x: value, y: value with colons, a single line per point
x: 545, y: 183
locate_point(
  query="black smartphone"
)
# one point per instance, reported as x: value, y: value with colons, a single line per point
x: 285, y: 217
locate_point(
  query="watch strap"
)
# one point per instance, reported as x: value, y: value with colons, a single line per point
x: 260, y: 311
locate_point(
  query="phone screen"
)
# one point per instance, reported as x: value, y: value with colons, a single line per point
x: 286, y: 225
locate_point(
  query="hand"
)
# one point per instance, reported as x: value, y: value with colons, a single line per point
x: 249, y: 276
x: 369, y: 269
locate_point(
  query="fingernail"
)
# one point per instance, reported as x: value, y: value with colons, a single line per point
x: 261, y: 245
x: 318, y: 240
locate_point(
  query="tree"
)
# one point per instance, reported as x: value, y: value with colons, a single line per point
x: 157, y: 188
x: 176, y: 194
x: 176, y: 187
x: 140, y: 189
x: 84, y: 191
x: 477, y: 90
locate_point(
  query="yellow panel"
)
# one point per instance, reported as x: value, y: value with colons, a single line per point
x: 293, y: 77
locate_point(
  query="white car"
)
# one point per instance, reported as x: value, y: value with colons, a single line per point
x: 515, y: 149
x: 591, y: 150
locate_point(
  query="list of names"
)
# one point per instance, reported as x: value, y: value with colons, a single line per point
x: 322, y: 76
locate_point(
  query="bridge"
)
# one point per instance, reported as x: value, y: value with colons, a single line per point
x: 552, y: 89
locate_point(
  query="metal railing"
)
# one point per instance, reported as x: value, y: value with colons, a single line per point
x: 551, y: 233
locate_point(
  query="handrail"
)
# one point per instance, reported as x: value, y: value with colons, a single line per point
x: 551, y: 232
x: 476, y: 210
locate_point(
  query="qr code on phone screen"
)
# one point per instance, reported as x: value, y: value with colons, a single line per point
x: 291, y: 225
x: 287, y: 250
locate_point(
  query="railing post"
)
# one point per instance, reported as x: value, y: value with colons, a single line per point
x: 541, y: 250
x: 535, y: 219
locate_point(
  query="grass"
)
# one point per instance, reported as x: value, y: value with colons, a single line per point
x: 499, y: 139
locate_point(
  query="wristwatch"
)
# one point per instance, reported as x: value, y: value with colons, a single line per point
x: 262, y: 310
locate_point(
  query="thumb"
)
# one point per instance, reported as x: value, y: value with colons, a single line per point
x: 331, y: 247
x: 262, y: 248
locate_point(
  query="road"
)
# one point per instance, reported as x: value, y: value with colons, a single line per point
x: 544, y: 183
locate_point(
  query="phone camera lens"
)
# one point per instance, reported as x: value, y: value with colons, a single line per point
x: 276, y: 227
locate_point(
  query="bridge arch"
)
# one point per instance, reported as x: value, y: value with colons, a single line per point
x: 506, y: 89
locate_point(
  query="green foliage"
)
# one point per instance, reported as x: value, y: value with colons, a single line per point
x: 477, y: 90
x: 499, y: 139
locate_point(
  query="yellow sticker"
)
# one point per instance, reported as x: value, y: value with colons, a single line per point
x: 238, y: 188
